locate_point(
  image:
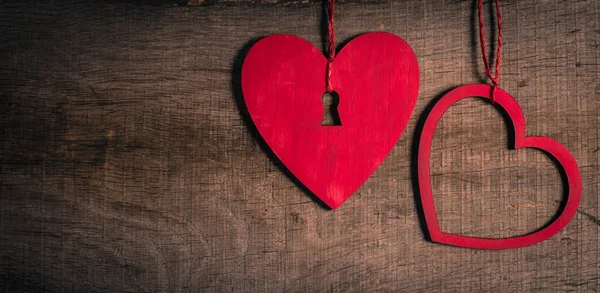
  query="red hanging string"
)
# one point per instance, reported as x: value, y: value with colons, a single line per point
x: 494, y: 78
x: 331, y: 43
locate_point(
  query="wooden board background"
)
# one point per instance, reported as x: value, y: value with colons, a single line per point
x: 128, y: 162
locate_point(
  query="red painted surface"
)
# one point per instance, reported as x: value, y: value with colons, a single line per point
x: 550, y: 146
x: 376, y: 76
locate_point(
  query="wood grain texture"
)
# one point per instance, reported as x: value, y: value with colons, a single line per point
x: 129, y: 163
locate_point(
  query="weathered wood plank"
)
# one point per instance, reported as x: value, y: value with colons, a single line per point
x: 128, y: 163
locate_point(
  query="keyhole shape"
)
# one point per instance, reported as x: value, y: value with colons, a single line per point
x: 331, y: 117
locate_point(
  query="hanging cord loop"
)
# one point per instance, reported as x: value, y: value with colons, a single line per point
x: 494, y: 78
x: 330, y: 43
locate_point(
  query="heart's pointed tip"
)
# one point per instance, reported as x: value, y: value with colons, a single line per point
x: 434, y: 237
x: 334, y: 204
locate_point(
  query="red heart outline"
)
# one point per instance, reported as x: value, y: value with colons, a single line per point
x: 376, y: 76
x: 553, y: 148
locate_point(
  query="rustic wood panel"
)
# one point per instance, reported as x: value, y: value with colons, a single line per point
x: 128, y: 162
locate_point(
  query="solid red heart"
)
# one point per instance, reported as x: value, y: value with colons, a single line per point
x: 376, y: 76
x: 550, y: 146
